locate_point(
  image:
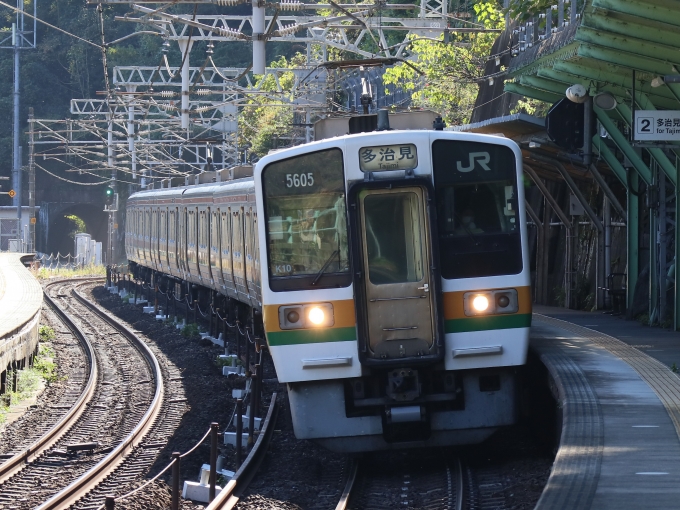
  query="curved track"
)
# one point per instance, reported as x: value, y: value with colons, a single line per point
x: 29, y: 453
x: 110, y: 418
x: 231, y: 494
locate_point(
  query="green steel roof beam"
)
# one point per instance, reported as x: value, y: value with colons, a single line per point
x: 628, y: 44
x: 624, y: 24
x: 664, y: 11
x: 615, y: 75
x: 541, y: 95
x: 657, y: 154
x: 564, y: 53
x: 541, y: 83
x: 623, y: 145
x: 610, y: 159
x: 617, y: 90
x: 612, y: 56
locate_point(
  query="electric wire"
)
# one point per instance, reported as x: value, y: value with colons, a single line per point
x: 24, y: 13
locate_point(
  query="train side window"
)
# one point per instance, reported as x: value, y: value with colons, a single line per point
x: 172, y: 234
x: 225, y: 231
x: 479, y: 231
x: 215, y: 239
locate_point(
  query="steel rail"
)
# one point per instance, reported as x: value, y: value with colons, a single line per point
x: 14, y: 464
x: 90, y: 479
x: 457, y: 479
x: 459, y: 485
x: 230, y: 495
x: 347, y: 492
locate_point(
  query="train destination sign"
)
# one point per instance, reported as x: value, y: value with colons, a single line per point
x: 657, y: 125
x: 388, y: 157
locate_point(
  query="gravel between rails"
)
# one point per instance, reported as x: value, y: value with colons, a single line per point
x: 117, y: 406
x: 296, y: 474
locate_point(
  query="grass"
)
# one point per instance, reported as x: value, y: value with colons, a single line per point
x: 45, y: 273
x: 29, y: 380
x: 190, y: 331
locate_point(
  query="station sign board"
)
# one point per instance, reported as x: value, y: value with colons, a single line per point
x: 657, y: 125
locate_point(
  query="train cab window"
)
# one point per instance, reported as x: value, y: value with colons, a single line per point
x: 395, y: 255
x: 479, y: 232
x: 306, y: 224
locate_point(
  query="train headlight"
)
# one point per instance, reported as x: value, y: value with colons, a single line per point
x: 480, y: 303
x: 490, y: 302
x: 317, y: 315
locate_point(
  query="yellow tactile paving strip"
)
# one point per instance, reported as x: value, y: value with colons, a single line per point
x: 657, y: 375
x: 21, y: 298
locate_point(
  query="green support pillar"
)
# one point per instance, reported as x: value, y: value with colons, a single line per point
x: 653, y: 261
x: 633, y: 245
x: 623, y: 145
x: 676, y: 291
x: 608, y: 156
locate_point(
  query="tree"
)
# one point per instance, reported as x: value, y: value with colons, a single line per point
x: 263, y: 127
x: 451, y: 71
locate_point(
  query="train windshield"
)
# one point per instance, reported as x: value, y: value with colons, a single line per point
x: 479, y: 232
x: 306, y: 222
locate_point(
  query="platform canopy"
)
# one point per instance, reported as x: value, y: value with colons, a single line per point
x: 628, y: 50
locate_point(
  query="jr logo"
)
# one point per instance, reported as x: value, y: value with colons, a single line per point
x: 482, y: 158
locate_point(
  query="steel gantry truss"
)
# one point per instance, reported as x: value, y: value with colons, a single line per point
x: 162, y: 121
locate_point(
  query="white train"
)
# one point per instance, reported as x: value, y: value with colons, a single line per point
x: 388, y: 272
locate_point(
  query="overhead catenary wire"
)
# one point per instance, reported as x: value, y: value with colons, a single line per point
x: 24, y: 13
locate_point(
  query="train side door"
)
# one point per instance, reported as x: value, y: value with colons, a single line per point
x: 182, y: 242
x: 397, y: 282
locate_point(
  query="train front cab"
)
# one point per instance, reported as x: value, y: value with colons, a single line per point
x: 396, y: 301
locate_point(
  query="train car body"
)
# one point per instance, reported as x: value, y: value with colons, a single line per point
x: 389, y: 269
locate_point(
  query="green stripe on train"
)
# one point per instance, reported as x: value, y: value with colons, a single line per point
x: 522, y: 320
x: 311, y: 336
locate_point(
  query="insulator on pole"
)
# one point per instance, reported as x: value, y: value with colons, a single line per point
x: 290, y: 5
x: 168, y: 93
x: 288, y: 30
x: 231, y: 33
x: 203, y: 92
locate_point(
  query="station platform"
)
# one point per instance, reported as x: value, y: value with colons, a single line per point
x: 21, y: 300
x: 620, y: 404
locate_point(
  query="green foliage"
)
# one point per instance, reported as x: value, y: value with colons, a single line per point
x: 45, y: 273
x: 79, y: 225
x: 451, y: 71
x: 674, y: 368
x: 44, y: 363
x: 190, y: 330
x: 46, y: 333
x: 531, y: 106
x: 263, y: 127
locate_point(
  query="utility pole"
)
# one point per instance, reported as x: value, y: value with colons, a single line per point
x: 19, y: 42
x: 31, y: 183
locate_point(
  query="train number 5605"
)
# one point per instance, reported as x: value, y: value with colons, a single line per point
x: 299, y: 180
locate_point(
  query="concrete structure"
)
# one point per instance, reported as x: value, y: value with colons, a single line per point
x: 8, y: 228
x: 620, y: 403
x: 21, y: 299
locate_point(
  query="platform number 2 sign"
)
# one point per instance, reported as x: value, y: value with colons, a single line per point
x: 657, y: 125
x: 645, y: 125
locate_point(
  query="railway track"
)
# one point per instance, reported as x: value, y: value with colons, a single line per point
x: 404, y: 480
x: 113, y: 414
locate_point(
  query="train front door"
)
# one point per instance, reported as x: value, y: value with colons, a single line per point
x: 395, y: 252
